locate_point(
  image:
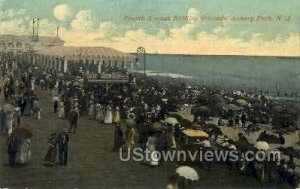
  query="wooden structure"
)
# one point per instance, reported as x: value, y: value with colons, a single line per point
x: 92, y: 60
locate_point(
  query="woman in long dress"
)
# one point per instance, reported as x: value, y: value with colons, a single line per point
x: 152, y: 147
x: 117, y: 116
x: 132, y: 134
x: 61, y: 111
x: 118, y: 138
x: 108, y: 115
x: 23, y: 153
x: 9, y: 121
x: 32, y: 83
x: 99, y: 113
x: 50, y: 157
x: 27, y: 108
x: 91, y: 112
x: 171, y: 137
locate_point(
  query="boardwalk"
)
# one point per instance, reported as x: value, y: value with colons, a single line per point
x: 91, y: 162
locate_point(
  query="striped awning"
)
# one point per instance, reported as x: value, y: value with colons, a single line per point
x: 85, y: 53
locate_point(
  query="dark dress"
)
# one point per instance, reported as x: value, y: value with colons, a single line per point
x: 62, y: 141
x: 50, y: 157
x: 118, y: 139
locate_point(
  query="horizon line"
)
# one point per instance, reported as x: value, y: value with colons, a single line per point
x: 279, y: 56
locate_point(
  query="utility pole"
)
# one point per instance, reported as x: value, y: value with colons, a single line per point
x: 57, y: 29
x: 33, y: 22
x: 37, y: 32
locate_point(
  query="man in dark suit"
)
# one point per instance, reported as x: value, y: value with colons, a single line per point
x: 73, y: 119
x: 63, y: 140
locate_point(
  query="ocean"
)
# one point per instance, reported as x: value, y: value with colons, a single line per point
x: 250, y: 73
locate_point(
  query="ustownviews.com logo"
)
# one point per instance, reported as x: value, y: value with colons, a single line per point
x: 140, y: 155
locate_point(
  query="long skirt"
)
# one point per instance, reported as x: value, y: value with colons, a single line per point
x: 91, y: 112
x: 24, y: 153
x: 61, y: 112
x: 38, y: 114
x: 51, y: 155
x: 117, y: 117
x: 99, y: 115
x: 9, y: 126
x: 171, y: 140
x: 131, y: 138
x: 108, y: 117
x: 27, y: 109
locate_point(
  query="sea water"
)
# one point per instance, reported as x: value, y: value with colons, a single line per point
x: 253, y: 73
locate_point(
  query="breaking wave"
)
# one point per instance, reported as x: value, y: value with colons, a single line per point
x: 164, y: 74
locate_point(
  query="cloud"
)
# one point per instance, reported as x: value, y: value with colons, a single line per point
x: 12, y: 13
x: 47, y: 28
x: 14, y: 26
x: 108, y: 29
x: 192, y: 12
x: 84, y: 30
x: 84, y: 21
x: 178, y: 40
x: 62, y: 12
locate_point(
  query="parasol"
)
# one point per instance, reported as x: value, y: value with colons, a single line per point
x: 217, y: 98
x: 22, y: 132
x: 187, y: 172
x: 242, y: 102
x: 232, y: 107
x: 262, y: 145
x: 195, y: 133
x: 172, y: 121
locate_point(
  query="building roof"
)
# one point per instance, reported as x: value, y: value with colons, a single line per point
x: 85, y: 52
x: 28, y: 38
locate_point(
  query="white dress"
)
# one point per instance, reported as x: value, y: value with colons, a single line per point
x: 108, y: 116
x: 32, y: 84
x: 9, y: 122
x: 151, y: 146
x: 24, y: 153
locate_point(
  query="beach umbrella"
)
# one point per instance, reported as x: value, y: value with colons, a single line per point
x: 172, y: 121
x: 187, y: 172
x: 157, y: 126
x: 232, y: 107
x: 201, y: 110
x: 22, y: 132
x: 242, y: 102
x: 196, y: 92
x: 217, y: 98
x: 262, y: 145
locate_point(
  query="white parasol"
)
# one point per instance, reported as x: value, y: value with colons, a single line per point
x: 262, y: 145
x: 187, y: 172
x: 172, y: 121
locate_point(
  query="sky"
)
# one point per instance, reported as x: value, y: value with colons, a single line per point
x: 210, y: 27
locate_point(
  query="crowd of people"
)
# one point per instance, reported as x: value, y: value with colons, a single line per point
x: 141, y: 110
